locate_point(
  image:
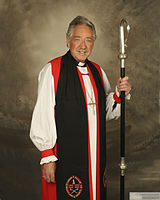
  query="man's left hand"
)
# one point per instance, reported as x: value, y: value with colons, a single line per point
x: 123, y: 84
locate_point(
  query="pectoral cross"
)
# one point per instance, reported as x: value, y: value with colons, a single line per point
x: 92, y: 104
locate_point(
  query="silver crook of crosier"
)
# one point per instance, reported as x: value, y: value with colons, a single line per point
x: 124, y: 33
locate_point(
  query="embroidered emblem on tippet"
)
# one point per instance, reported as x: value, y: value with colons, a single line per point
x: 74, y: 186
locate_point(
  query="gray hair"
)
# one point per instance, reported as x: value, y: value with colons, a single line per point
x: 80, y: 20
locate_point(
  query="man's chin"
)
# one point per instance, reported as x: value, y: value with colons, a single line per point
x: 81, y: 58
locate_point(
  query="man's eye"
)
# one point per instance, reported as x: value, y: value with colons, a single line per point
x: 77, y: 39
x: 89, y: 40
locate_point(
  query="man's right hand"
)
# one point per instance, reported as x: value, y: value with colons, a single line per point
x: 49, y: 172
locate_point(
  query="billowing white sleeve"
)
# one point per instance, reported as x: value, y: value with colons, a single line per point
x: 112, y: 108
x: 43, y: 128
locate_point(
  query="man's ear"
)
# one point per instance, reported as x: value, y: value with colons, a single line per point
x: 68, y: 42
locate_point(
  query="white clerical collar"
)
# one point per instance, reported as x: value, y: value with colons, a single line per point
x: 80, y: 64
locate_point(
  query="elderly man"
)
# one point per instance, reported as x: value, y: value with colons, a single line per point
x: 69, y: 120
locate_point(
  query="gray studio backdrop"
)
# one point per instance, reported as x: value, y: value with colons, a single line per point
x: 32, y: 32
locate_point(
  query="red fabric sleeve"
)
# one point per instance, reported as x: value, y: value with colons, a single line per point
x: 46, y: 153
x: 116, y: 98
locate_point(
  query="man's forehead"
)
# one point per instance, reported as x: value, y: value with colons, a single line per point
x: 82, y: 27
x: 81, y: 30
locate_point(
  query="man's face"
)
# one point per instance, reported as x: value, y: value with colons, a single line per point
x: 81, y: 42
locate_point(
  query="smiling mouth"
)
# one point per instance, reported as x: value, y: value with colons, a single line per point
x: 82, y: 51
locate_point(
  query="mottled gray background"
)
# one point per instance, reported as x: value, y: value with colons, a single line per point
x: 31, y: 33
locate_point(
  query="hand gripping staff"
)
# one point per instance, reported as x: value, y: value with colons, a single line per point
x: 124, y: 32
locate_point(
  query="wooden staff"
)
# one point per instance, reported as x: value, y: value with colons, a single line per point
x: 124, y: 31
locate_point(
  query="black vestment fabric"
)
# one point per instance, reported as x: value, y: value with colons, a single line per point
x: 72, y: 129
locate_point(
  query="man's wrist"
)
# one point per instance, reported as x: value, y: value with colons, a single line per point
x: 48, y: 159
x: 128, y: 96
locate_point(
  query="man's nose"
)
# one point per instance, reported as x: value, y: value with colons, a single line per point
x: 83, y: 44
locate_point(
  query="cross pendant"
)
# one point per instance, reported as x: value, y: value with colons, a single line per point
x: 92, y: 104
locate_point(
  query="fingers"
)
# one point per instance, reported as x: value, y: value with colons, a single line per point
x: 123, y: 84
x: 52, y: 178
x: 49, y: 170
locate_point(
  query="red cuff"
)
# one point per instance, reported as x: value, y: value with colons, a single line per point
x: 46, y: 153
x: 116, y: 98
